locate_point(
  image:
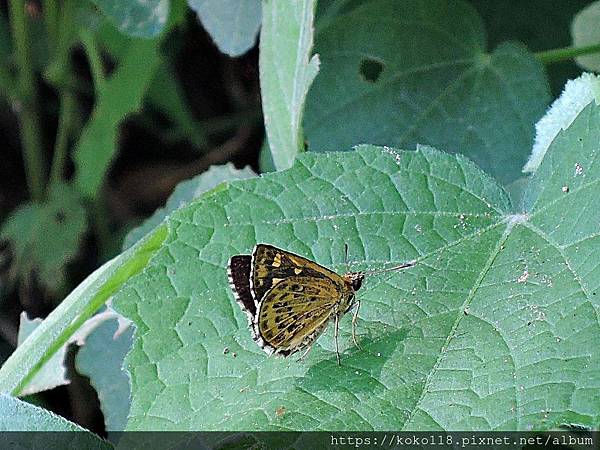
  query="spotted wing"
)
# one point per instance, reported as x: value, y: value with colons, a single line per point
x: 271, y: 265
x: 294, y: 313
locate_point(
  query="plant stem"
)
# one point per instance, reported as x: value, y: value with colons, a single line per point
x: 68, y: 113
x: 7, y: 84
x: 27, y: 96
x: 60, y: 74
x: 94, y: 58
x: 50, y: 9
x: 566, y: 53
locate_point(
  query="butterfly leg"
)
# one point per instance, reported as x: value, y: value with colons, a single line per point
x: 354, y: 319
x: 337, y: 348
x: 305, y: 353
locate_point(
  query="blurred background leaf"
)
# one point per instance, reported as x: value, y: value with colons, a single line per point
x: 510, y: 20
x: 418, y: 72
x: 45, y: 237
x: 233, y: 24
x: 184, y: 193
x: 118, y: 97
x: 585, y: 30
x: 138, y: 18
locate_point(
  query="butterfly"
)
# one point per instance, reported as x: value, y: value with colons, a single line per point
x: 289, y: 300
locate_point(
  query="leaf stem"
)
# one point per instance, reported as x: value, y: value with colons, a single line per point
x: 94, y: 59
x: 27, y: 97
x: 566, y: 53
x: 61, y: 75
x: 7, y: 84
x: 68, y: 113
x: 50, y: 10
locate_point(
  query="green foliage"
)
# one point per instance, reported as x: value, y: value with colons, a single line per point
x: 45, y: 237
x: 184, y: 193
x: 233, y: 24
x: 286, y: 72
x: 586, y: 31
x: 141, y: 18
x: 21, y: 416
x: 118, y: 97
x: 576, y: 95
x: 101, y: 360
x: 68, y: 317
x: 54, y: 372
x: 417, y: 72
x: 513, y: 20
x: 499, y: 307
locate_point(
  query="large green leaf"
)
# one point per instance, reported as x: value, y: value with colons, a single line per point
x: 402, y: 73
x: 286, y: 72
x: 496, y: 327
x: 142, y: 18
x: 233, y: 24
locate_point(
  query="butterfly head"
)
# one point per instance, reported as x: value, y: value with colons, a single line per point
x: 354, y: 279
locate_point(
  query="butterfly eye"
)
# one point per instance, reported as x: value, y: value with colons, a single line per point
x: 357, y: 283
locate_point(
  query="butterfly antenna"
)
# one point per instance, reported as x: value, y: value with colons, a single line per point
x: 390, y: 269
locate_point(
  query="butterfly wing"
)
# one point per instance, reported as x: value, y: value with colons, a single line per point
x: 271, y: 265
x: 294, y: 312
x: 239, y: 279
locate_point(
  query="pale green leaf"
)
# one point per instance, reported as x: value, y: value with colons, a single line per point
x: 54, y: 372
x: 101, y: 359
x: 286, y: 72
x: 233, y: 24
x: 576, y: 95
x: 585, y: 30
x: 418, y: 72
x: 141, y: 18
x: 265, y: 158
x: 18, y: 415
x: 185, y: 192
